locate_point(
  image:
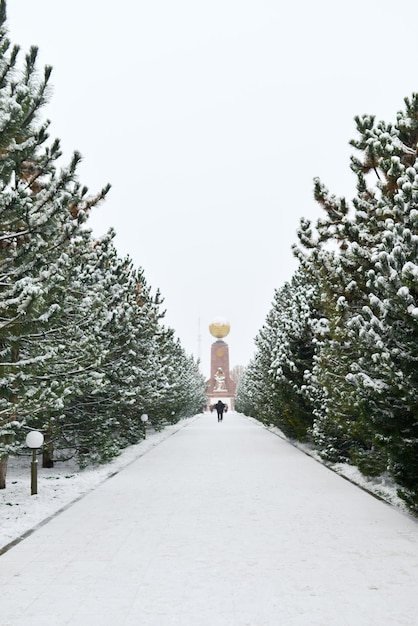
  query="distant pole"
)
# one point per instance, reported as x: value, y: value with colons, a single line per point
x: 199, y: 341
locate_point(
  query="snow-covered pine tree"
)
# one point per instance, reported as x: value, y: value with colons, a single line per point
x: 336, y: 258
x: 194, y: 384
x: 189, y: 385
x: 255, y: 394
x: 297, y: 314
x: 388, y: 324
x: 365, y: 255
x: 78, y: 340
x: 273, y: 387
x: 41, y: 208
x: 244, y: 396
x: 177, y: 388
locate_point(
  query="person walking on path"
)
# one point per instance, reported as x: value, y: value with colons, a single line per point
x: 220, y: 408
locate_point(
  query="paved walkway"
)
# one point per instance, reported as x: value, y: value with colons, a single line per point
x: 219, y: 525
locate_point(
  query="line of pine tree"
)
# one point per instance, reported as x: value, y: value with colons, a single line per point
x: 83, y: 352
x: 336, y: 362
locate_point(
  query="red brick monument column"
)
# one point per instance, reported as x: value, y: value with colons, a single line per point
x: 220, y: 386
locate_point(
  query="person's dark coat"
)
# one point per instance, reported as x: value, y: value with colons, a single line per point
x: 220, y: 408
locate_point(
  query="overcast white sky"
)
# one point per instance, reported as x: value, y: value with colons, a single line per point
x: 210, y: 120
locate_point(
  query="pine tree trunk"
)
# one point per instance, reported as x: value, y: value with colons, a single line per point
x: 48, y: 452
x: 3, y: 471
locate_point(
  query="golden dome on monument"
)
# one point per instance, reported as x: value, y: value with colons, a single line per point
x: 219, y: 327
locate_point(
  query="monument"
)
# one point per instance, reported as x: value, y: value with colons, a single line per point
x: 220, y: 385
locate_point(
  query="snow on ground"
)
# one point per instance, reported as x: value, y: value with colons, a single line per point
x: 20, y: 512
x: 219, y: 525
x: 382, y: 487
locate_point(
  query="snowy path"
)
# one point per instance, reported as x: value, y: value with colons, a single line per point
x: 219, y: 525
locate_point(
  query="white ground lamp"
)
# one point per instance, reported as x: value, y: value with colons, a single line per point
x: 144, y: 420
x: 34, y: 440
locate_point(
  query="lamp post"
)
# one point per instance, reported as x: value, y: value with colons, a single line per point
x: 144, y: 420
x: 34, y: 440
